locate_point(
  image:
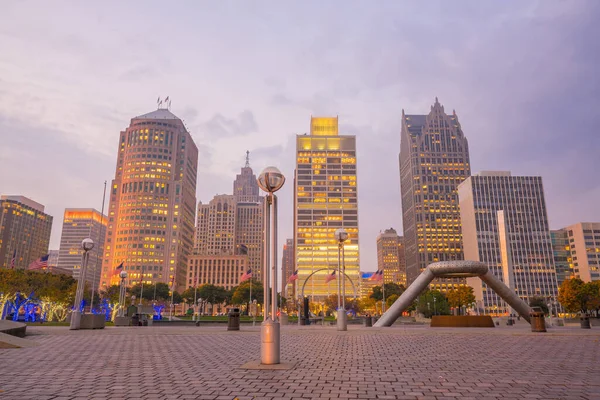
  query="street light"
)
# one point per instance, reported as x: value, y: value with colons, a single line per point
x: 270, y: 180
x: 87, y: 244
x: 434, y: 309
x: 341, y: 236
x: 122, y: 291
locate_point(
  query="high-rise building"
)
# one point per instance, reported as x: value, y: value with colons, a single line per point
x: 220, y: 270
x: 584, y: 250
x: 325, y: 199
x: 152, y: 202
x: 215, y: 228
x: 233, y: 224
x: 245, y: 186
x: 249, y: 234
x: 402, y: 267
x: 366, y: 285
x: 53, y: 258
x: 562, y: 255
x: 24, y: 231
x: 434, y: 160
x: 287, y: 268
x: 390, y: 257
x: 505, y: 225
x: 78, y: 224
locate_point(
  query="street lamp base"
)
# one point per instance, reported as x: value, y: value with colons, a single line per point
x: 75, y: 320
x: 269, y: 342
x: 342, y: 320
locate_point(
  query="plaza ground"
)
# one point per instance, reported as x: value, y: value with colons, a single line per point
x: 363, y: 363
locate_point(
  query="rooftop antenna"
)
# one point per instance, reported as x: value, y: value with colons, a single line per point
x: 247, y: 159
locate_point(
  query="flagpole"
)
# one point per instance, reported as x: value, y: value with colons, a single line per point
x: 383, y: 292
x: 100, y: 249
x: 141, y: 290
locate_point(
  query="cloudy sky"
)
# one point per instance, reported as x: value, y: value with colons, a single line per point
x: 521, y: 75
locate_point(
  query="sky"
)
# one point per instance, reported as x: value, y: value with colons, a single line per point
x: 521, y: 75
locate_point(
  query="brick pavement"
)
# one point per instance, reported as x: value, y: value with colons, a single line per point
x: 363, y: 363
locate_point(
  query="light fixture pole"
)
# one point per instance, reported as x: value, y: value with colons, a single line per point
x: 87, y: 244
x: 341, y: 236
x: 122, y: 292
x: 270, y: 180
x: 195, y: 297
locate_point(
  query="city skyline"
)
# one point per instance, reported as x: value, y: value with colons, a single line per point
x: 505, y: 106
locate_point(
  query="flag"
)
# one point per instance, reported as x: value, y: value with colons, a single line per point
x: 293, y: 277
x: 366, y: 275
x: 41, y: 262
x: 330, y: 277
x: 120, y: 266
x: 13, y: 259
x: 247, y: 275
x: 377, y: 276
x: 243, y: 249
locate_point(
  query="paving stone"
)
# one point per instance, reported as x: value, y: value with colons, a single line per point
x: 185, y: 363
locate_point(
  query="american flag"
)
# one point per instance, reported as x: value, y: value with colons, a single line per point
x: 243, y: 249
x: 120, y: 266
x: 330, y: 277
x: 293, y: 277
x: 247, y: 275
x: 13, y: 260
x: 377, y: 276
x: 41, y: 262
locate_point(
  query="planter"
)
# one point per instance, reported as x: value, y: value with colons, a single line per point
x: 92, y: 321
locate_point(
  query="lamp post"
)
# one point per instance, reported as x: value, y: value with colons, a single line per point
x: 195, y: 297
x: 434, y: 309
x: 87, y: 244
x: 270, y: 180
x: 122, y: 291
x: 341, y: 236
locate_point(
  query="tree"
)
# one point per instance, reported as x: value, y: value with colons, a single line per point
x: 281, y: 300
x: 462, y: 296
x: 211, y: 293
x: 567, y: 294
x: 390, y: 300
x: 330, y: 303
x: 578, y: 296
x: 594, y: 302
x: 241, y: 293
x: 366, y: 304
x: 111, y: 293
x: 58, y: 288
x: 390, y: 289
x: 188, y: 295
x: 427, y: 306
x: 162, y: 290
x: 536, y: 301
x: 177, y: 299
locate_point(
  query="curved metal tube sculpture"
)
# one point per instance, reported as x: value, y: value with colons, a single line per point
x: 327, y: 269
x: 453, y: 269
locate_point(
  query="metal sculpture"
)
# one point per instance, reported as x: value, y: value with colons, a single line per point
x: 453, y: 269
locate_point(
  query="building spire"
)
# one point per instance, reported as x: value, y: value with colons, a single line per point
x: 247, y: 159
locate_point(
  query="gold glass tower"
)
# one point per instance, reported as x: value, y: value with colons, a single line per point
x: 325, y: 199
